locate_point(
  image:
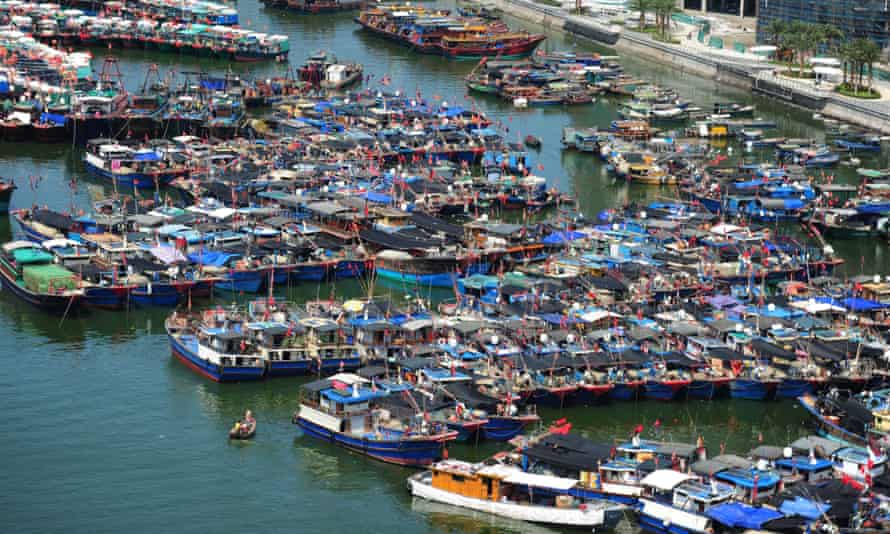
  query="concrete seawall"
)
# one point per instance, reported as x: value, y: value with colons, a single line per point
x: 733, y: 74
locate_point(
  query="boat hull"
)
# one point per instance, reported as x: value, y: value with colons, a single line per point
x: 163, y: 295
x: 665, y: 390
x: 408, y: 452
x: 188, y: 356
x: 591, y: 394
x: 54, y: 304
x: 743, y: 388
x: 708, y: 389
x: 625, y: 391
x: 573, y: 517
x: 791, y: 388
x: 502, y: 428
x: 289, y: 368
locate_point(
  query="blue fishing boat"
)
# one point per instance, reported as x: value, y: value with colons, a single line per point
x: 128, y: 168
x: 282, y: 346
x: 503, y: 418
x: 340, y: 410
x: 676, y: 503
x: 214, y: 352
x: 755, y: 383
x: 155, y: 294
x: 332, y: 348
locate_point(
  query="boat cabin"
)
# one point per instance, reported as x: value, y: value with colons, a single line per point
x: 808, y: 469
x: 674, y: 490
x: 501, y: 483
x: 850, y: 462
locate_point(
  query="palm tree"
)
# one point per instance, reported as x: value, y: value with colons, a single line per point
x: 869, y: 54
x: 664, y: 10
x: 846, y: 53
x: 853, y: 54
x: 775, y: 29
x: 833, y: 36
x: 803, y: 39
x: 642, y: 6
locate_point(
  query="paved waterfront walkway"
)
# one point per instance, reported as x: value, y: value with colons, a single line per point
x: 755, y: 67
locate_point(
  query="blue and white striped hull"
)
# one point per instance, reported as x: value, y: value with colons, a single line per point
x: 409, y: 452
x: 187, y: 353
x: 280, y: 368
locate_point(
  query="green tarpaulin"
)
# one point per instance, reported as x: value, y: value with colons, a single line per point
x: 48, y: 278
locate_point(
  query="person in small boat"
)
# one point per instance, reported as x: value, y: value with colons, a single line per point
x: 248, y: 422
x: 245, y: 424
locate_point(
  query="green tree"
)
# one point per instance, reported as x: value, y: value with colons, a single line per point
x: 847, y: 57
x: 776, y: 29
x: 833, y: 37
x: 642, y: 6
x: 869, y: 54
x: 803, y: 39
x: 664, y: 10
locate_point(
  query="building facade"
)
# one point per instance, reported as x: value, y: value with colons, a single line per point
x: 742, y: 8
x: 856, y: 18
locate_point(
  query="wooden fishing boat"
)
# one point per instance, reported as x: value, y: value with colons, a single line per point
x: 507, y: 491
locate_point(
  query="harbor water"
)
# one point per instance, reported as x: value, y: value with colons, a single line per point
x: 105, y: 432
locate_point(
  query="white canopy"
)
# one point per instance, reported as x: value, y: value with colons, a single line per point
x: 540, y: 481
x: 665, y: 479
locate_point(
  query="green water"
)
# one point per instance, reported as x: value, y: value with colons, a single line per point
x: 105, y: 432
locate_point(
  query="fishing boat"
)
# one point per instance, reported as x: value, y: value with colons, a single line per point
x: 243, y: 431
x: 212, y: 350
x: 142, y: 168
x: 341, y: 410
x: 29, y: 273
x: 677, y: 502
x: 438, y: 33
x: 322, y: 69
x: 505, y: 490
x: 317, y: 6
x: 532, y: 141
x: 503, y: 45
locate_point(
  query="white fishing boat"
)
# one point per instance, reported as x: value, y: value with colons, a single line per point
x: 675, y: 502
x: 507, y: 491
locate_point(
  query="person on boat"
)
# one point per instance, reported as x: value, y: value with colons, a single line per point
x: 245, y: 424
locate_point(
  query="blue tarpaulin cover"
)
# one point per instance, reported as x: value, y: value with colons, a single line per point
x: 858, y: 304
x: 876, y: 208
x: 374, y: 196
x: 212, y: 258
x: 793, y: 203
x: 740, y: 515
x: 453, y: 112
x: 148, y: 155
x: 563, y: 237
x: 213, y: 84
x: 804, y: 508
x: 49, y: 117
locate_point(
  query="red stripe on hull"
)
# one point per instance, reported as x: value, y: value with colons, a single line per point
x: 191, y: 365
